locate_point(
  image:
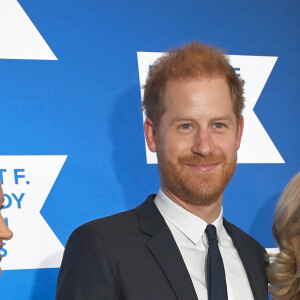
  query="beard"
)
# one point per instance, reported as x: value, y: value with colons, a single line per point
x: 196, y: 187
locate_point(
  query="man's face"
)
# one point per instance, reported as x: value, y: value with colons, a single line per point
x: 196, y: 140
x: 5, y: 233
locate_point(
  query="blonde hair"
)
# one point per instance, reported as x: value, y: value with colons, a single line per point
x: 283, y: 273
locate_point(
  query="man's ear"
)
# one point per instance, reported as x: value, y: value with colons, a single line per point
x: 150, y: 135
x: 240, y: 131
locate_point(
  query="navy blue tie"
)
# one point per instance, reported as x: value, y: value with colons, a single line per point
x: 215, y: 273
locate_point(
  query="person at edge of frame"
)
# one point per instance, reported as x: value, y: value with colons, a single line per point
x: 284, y: 270
x: 5, y: 232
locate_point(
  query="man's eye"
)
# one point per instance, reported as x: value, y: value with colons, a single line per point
x: 3, y: 203
x: 185, y: 126
x: 219, y: 125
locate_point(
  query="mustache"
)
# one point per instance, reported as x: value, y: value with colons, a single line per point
x: 198, y: 159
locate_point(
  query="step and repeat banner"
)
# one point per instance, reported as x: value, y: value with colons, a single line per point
x: 72, y: 142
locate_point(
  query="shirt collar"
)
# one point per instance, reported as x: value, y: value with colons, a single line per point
x: 189, y: 224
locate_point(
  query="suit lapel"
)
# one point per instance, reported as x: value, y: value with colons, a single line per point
x: 252, y: 260
x: 165, y: 251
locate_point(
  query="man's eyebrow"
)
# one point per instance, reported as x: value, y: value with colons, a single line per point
x: 183, y: 118
x: 222, y: 118
x: 192, y: 119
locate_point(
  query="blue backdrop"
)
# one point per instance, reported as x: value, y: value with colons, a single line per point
x: 86, y: 105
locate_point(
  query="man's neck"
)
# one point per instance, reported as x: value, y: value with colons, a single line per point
x: 207, y: 213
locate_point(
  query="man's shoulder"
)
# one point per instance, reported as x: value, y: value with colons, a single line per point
x: 242, y: 238
x: 119, y: 226
x: 111, y: 226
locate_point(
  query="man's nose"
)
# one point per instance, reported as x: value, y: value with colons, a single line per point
x: 203, y: 144
x: 5, y: 232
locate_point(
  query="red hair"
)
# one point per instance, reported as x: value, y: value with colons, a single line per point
x: 195, y: 60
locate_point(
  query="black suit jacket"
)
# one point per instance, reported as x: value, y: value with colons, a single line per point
x: 133, y: 255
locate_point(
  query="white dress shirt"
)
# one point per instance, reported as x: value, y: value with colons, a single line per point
x: 189, y: 234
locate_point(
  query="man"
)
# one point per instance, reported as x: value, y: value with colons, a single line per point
x: 5, y: 232
x: 164, y: 249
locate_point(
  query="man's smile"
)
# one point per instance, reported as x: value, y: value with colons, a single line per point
x: 205, y: 167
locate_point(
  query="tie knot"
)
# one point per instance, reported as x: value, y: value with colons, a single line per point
x: 211, y: 232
